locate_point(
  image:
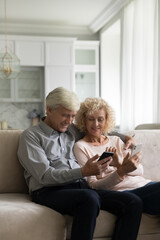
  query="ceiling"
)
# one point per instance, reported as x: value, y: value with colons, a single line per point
x: 61, y: 17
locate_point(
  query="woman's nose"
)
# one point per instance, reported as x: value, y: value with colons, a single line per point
x: 96, y: 123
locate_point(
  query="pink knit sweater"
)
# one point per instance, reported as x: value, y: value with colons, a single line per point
x: 109, y: 179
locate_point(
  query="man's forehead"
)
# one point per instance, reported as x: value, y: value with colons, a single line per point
x: 65, y: 110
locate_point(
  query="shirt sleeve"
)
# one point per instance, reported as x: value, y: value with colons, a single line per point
x: 34, y: 160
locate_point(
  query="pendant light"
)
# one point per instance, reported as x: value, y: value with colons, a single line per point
x: 9, y: 62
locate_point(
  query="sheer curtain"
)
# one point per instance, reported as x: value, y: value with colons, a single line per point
x: 139, y: 74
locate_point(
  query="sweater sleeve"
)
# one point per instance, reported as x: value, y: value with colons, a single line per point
x: 107, y: 182
x: 138, y: 172
x: 80, y: 153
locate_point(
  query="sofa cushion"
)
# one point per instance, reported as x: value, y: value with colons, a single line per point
x: 106, y: 222
x: 22, y: 219
x: 150, y: 140
x: 11, y: 172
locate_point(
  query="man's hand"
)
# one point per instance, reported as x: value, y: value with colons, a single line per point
x: 129, y: 164
x: 130, y: 142
x: 94, y: 167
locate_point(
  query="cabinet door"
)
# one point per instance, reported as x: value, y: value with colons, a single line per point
x: 87, y: 54
x: 7, y: 90
x: 59, y: 53
x: 29, y: 85
x: 86, y: 84
x: 30, y: 53
x: 58, y: 76
x: 86, y: 69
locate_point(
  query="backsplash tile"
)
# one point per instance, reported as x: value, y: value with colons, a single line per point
x: 15, y: 114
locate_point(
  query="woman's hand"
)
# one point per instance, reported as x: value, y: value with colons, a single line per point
x: 129, y: 164
x: 115, y: 162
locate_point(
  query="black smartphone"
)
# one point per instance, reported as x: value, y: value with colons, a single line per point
x: 105, y: 155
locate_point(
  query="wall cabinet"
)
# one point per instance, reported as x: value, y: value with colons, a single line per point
x: 86, y: 69
x: 27, y: 87
x: 87, y: 54
x: 58, y: 61
x: 7, y: 90
x: 58, y: 76
x: 59, y: 64
x: 30, y: 53
x: 59, y: 53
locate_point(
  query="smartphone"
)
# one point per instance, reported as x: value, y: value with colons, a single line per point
x: 136, y: 148
x: 105, y: 155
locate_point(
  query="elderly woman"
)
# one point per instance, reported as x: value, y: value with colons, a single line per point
x: 123, y: 173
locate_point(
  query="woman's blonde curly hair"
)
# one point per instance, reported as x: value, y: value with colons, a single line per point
x: 88, y: 107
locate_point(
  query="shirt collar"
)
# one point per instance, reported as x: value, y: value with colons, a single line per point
x: 45, y: 128
x: 48, y: 130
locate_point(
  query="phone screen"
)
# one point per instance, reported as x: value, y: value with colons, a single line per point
x: 136, y: 148
x: 105, y: 155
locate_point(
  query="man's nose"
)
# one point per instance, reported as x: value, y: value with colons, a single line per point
x: 69, y: 120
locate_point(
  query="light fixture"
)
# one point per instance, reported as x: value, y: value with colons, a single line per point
x: 9, y: 62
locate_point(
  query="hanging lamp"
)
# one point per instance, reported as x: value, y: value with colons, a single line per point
x: 9, y: 62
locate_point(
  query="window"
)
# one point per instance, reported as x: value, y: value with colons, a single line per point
x: 129, y: 71
x: 110, y: 67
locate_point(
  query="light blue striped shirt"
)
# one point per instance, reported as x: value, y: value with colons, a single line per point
x: 47, y: 156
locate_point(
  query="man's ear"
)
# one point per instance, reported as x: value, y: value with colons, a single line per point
x: 48, y: 109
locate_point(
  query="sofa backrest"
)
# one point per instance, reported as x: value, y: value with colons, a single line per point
x: 11, y: 172
x: 150, y: 140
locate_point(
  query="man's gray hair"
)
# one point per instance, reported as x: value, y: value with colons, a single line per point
x: 63, y: 97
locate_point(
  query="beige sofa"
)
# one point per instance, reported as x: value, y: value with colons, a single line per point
x: 21, y: 219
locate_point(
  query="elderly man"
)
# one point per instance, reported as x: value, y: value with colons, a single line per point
x: 57, y: 181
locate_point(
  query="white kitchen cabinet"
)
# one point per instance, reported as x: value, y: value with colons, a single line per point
x: 7, y: 90
x: 59, y: 64
x: 86, y: 84
x: 86, y: 69
x: 27, y: 87
x: 59, y: 52
x: 66, y: 62
x: 58, y: 76
x: 87, y: 54
x: 30, y: 53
